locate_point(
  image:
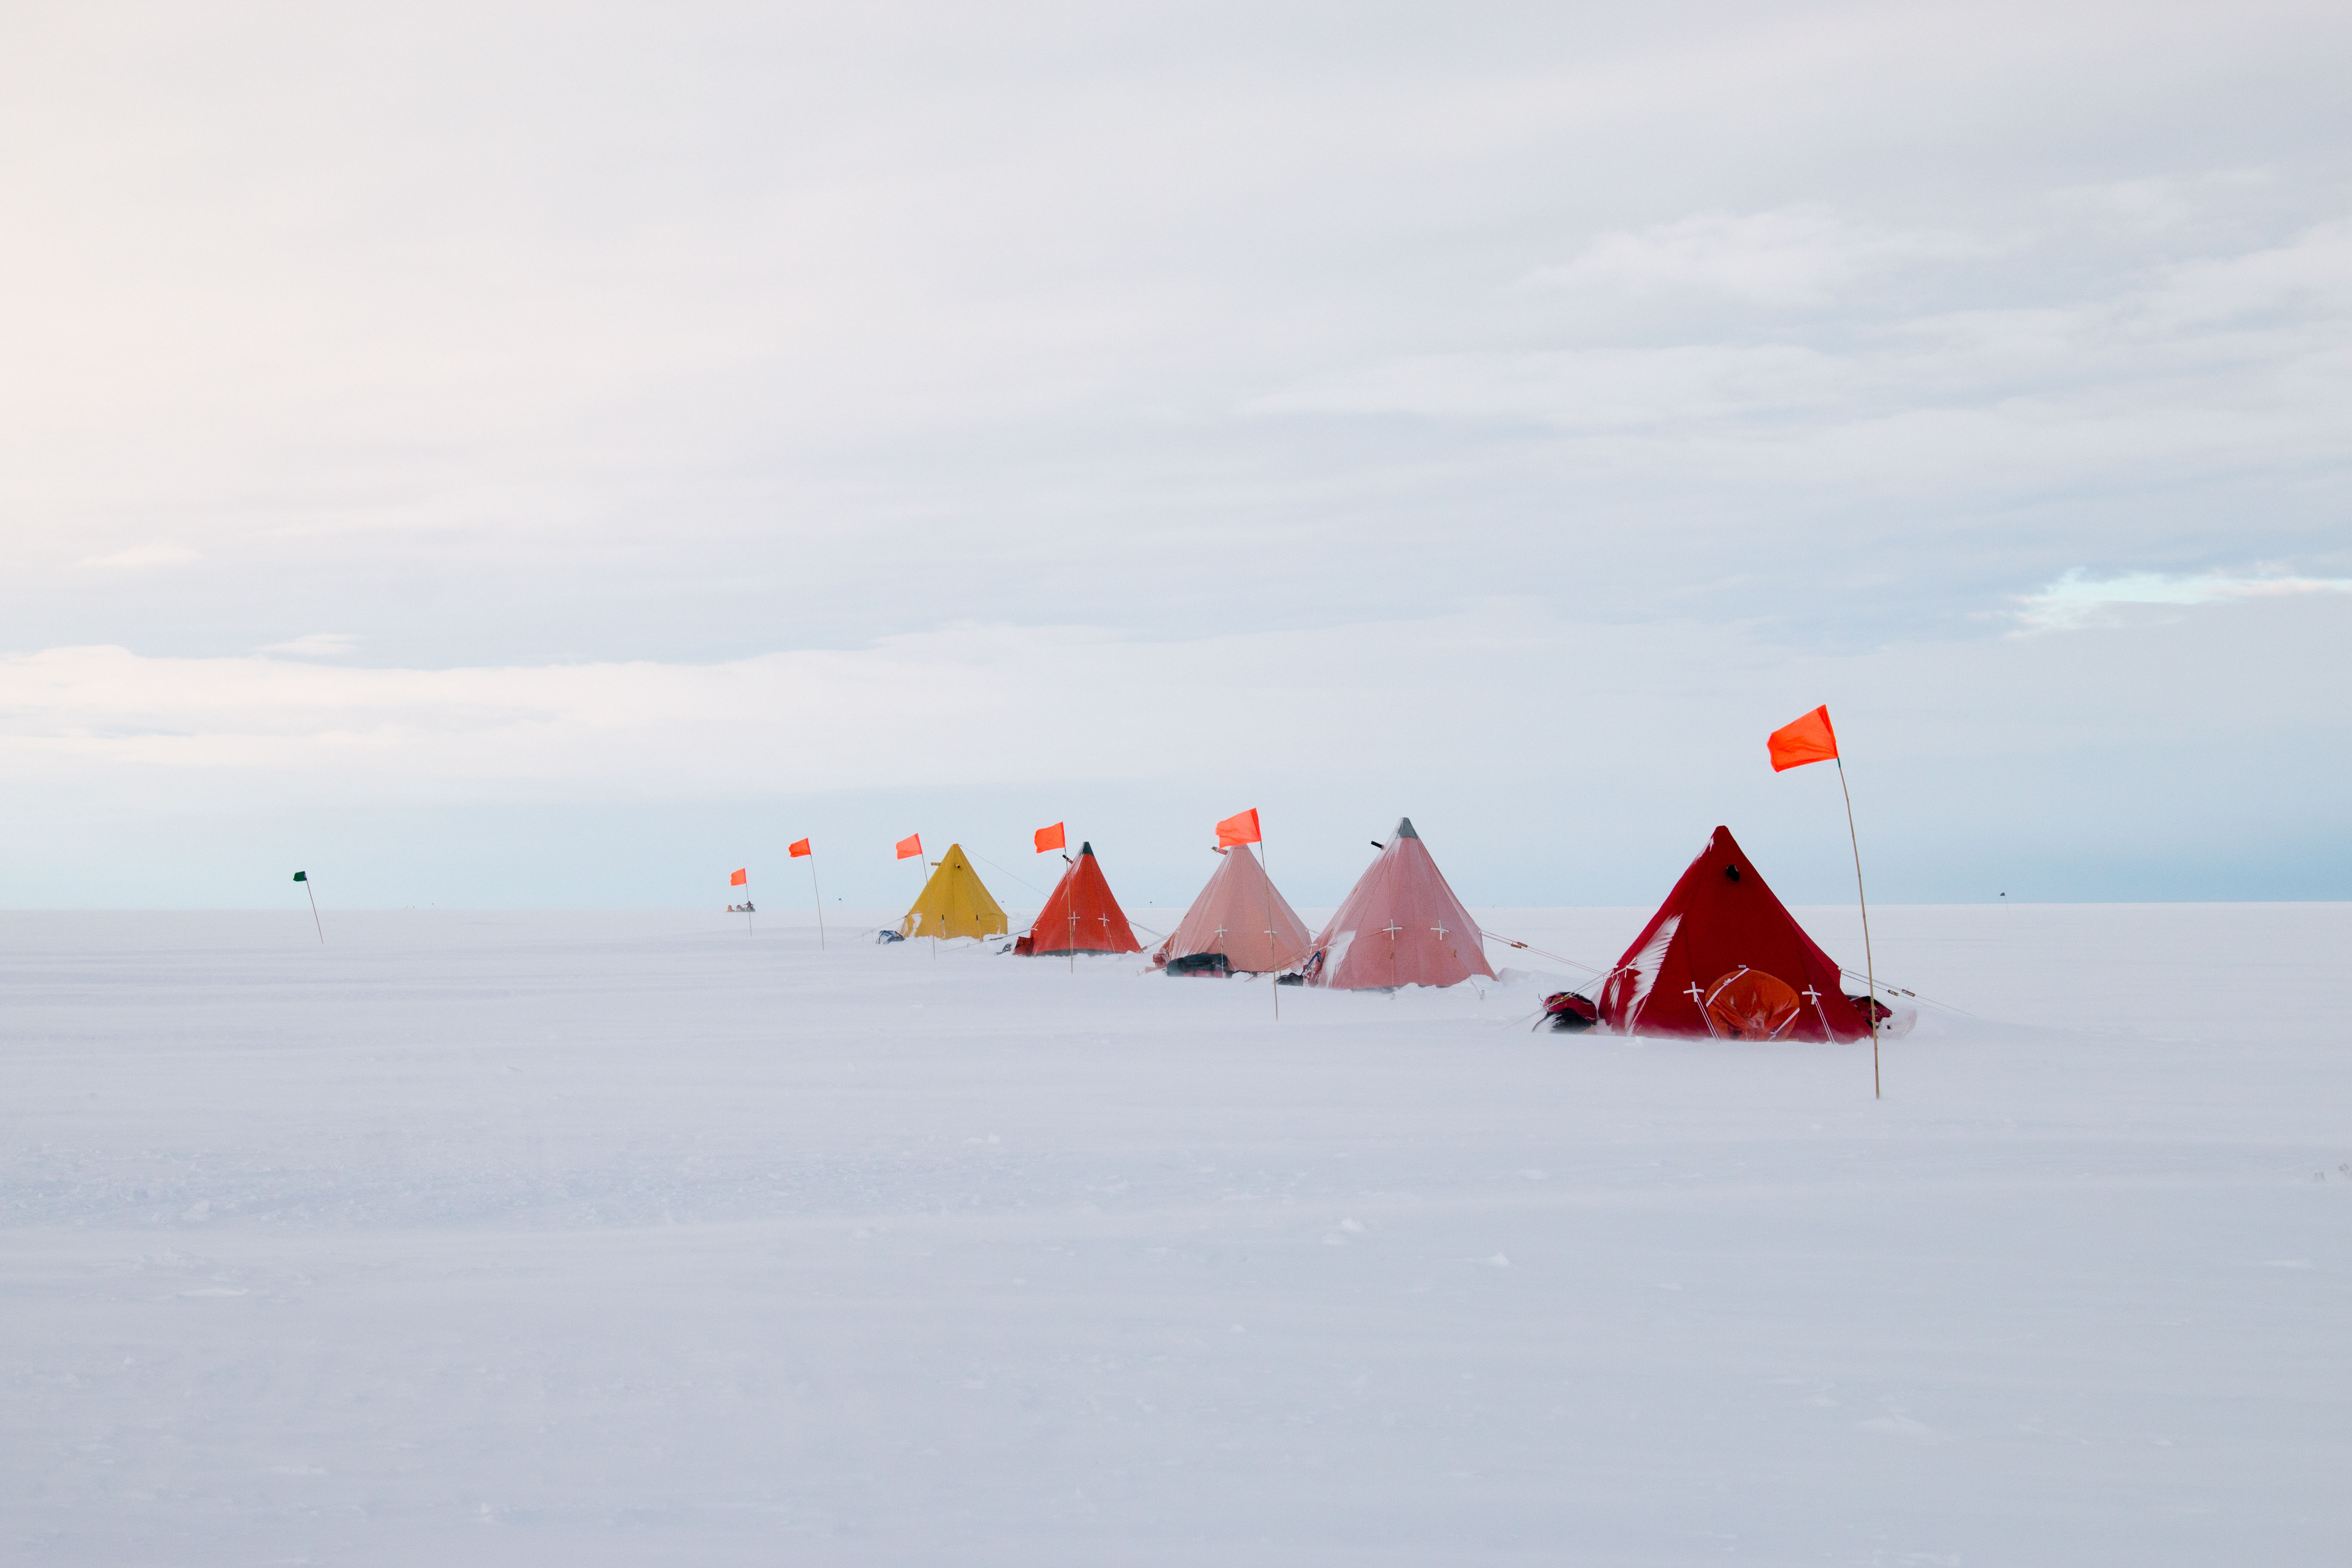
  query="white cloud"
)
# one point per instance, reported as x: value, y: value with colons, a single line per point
x: 2310, y: 273
x: 2216, y: 365
x: 140, y: 558
x: 1566, y: 756
x: 316, y: 645
x: 2152, y: 203
x: 1789, y: 257
x: 2076, y: 601
x: 1586, y: 389
x: 653, y: 341
x: 970, y: 705
x: 988, y: 702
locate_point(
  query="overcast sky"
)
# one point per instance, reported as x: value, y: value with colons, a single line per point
x: 515, y: 454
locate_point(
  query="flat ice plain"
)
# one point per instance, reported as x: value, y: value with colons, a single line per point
x: 590, y: 1239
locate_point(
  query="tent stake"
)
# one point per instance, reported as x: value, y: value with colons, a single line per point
x: 1870, y: 965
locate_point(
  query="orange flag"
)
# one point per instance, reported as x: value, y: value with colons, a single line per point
x: 1051, y: 838
x: 1808, y: 740
x: 910, y: 846
x: 1239, y: 829
x: 739, y: 879
x: 800, y: 848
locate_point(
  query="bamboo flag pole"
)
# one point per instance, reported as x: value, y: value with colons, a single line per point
x: 804, y: 847
x: 1238, y: 832
x: 1055, y: 836
x: 922, y: 880
x: 916, y: 855
x: 1812, y: 740
x: 1870, y: 964
x: 304, y: 877
x: 1070, y: 892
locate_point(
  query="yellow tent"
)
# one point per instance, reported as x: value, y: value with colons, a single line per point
x: 953, y: 902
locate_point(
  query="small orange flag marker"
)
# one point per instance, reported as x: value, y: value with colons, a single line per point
x: 1807, y: 740
x: 1050, y: 838
x: 910, y: 849
x: 1811, y: 740
x: 1239, y: 828
x: 739, y: 879
x: 799, y: 848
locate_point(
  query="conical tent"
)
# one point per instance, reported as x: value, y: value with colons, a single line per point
x: 1401, y: 925
x: 1242, y: 915
x: 953, y: 902
x: 1080, y: 915
x: 1723, y: 958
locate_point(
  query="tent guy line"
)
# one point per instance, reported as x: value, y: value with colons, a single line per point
x: 1014, y: 875
x: 1555, y: 957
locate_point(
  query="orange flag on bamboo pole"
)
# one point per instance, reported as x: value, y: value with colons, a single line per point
x: 910, y: 846
x: 1051, y: 838
x: 1239, y: 829
x: 800, y: 848
x: 739, y: 879
x: 1808, y: 740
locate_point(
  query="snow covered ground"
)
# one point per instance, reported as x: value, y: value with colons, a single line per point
x: 632, y: 1238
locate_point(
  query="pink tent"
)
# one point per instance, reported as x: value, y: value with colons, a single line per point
x: 1241, y: 915
x: 1401, y: 925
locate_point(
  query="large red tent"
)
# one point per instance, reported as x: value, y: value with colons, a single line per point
x: 1401, y: 925
x: 1724, y: 958
x: 1080, y: 915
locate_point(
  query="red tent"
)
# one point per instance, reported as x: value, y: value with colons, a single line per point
x: 1080, y: 915
x: 1722, y: 958
x: 1401, y: 925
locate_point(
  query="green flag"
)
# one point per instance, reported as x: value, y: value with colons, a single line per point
x: 301, y: 876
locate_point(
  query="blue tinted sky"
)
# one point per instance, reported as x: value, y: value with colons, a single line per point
x: 516, y: 455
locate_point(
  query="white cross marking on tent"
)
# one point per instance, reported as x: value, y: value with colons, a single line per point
x: 1393, y: 928
x: 1694, y: 992
x: 1440, y: 928
x: 1812, y: 995
x: 1221, y: 936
